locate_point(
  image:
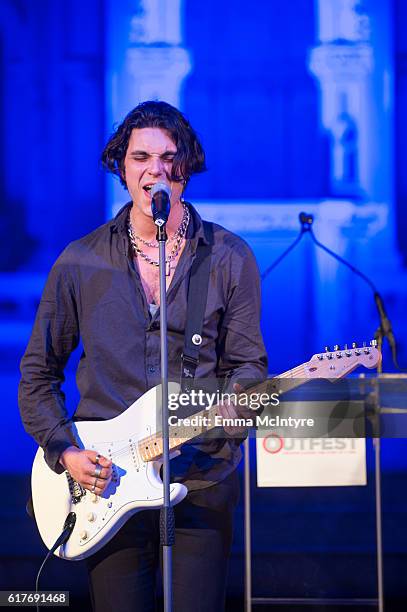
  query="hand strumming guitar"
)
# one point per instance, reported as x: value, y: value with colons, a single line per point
x: 92, y: 471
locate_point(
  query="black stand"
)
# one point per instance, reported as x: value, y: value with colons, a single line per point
x: 384, y: 331
x: 167, y: 522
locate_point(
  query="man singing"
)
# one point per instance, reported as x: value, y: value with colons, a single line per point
x: 104, y: 291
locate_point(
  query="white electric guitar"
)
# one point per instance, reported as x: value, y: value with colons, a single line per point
x: 133, y: 442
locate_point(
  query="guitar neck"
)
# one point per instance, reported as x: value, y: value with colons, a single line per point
x: 291, y: 379
x: 151, y: 448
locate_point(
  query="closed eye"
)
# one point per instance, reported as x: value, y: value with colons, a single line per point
x: 139, y: 156
x: 168, y: 157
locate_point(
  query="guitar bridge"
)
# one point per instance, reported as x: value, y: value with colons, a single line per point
x: 75, y: 489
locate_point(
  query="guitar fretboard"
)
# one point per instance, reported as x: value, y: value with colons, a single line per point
x: 151, y: 447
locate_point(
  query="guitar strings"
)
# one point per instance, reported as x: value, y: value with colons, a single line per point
x: 293, y: 373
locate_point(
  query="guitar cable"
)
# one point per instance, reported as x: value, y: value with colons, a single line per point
x: 61, y: 540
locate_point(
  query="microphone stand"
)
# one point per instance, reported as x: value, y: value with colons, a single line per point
x: 383, y: 331
x: 385, y: 328
x: 167, y: 521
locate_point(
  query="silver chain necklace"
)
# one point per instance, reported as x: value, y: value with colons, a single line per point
x: 181, y: 231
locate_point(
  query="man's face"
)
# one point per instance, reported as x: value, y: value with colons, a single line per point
x: 149, y: 160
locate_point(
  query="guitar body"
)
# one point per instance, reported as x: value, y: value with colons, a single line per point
x: 136, y: 485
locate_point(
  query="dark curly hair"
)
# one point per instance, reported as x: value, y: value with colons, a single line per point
x: 190, y: 156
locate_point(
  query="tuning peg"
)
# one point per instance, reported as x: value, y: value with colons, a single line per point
x: 373, y: 343
x: 345, y: 347
x: 327, y: 349
x: 337, y: 347
x: 354, y: 345
x: 364, y: 344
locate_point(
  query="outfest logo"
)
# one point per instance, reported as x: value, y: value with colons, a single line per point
x: 273, y: 444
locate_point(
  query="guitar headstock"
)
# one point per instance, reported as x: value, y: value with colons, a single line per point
x: 338, y: 363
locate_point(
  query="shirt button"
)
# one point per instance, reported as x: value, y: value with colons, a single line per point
x: 151, y: 369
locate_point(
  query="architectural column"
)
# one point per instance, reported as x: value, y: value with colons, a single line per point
x: 146, y: 60
x: 343, y: 63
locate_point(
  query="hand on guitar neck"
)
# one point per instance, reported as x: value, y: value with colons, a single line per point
x: 229, y: 410
x: 83, y: 467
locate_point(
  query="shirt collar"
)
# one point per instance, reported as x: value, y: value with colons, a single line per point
x: 118, y: 224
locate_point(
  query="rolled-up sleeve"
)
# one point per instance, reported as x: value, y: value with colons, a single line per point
x: 242, y: 353
x: 55, y: 335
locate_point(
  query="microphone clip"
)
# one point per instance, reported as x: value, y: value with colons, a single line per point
x: 306, y: 221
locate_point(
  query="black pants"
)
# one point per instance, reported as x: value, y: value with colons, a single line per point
x: 123, y: 573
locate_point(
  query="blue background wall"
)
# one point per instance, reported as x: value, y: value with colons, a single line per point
x: 259, y: 109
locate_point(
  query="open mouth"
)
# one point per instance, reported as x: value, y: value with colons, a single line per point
x: 148, y: 187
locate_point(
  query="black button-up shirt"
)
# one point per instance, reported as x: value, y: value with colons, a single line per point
x: 94, y: 293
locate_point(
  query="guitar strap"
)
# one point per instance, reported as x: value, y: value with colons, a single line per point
x: 196, y: 303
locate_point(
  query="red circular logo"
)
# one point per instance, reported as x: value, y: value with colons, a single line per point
x: 273, y: 443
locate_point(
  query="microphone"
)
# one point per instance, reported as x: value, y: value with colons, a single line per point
x: 160, y: 203
x: 385, y: 325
